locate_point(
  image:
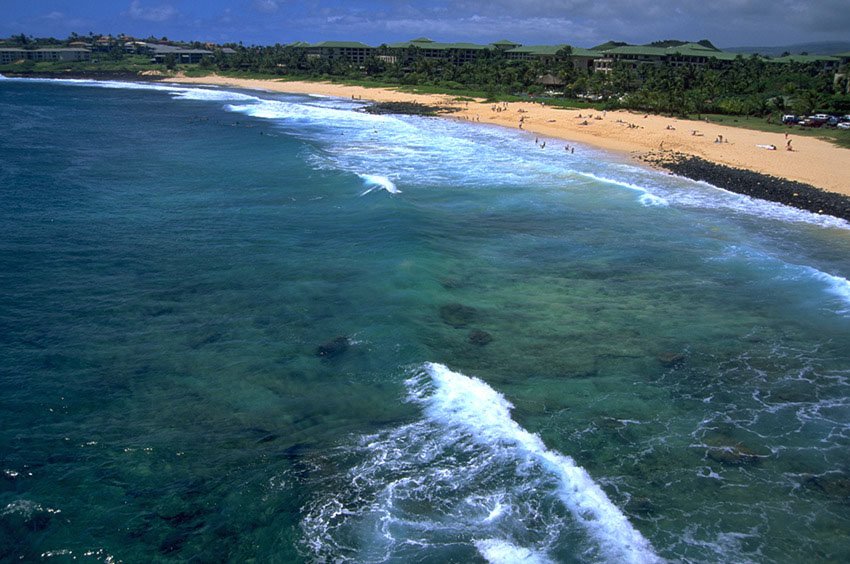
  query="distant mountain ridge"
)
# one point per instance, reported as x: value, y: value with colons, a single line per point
x: 815, y: 48
x: 662, y: 44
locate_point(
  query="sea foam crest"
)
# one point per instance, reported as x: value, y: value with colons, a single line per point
x: 455, y: 400
x: 377, y: 182
x: 835, y: 285
x: 646, y: 198
x: 788, y: 272
x: 497, y: 551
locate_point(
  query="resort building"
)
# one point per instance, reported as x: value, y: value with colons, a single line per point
x: 161, y: 53
x: 827, y: 62
x: 351, y: 51
x: 632, y: 56
x: 601, y: 59
x: 9, y: 55
x: 425, y: 48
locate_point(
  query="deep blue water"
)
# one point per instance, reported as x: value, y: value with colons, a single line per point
x: 252, y: 326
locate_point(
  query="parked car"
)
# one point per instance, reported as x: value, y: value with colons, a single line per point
x: 844, y: 118
x: 810, y: 122
x: 789, y: 119
x: 833, y: 121
x: 844, y: 125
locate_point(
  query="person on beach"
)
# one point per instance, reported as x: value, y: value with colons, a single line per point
x: 788, y: 145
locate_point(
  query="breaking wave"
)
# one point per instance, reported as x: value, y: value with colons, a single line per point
x: 466, y: 474
x: 376, y: 182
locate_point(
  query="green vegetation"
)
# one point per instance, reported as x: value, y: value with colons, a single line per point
x: 745, y: 86
x: 751, y: 88
x: 125, y: 64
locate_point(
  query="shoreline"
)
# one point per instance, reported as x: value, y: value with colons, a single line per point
x: 814, y: 178
x: 754, y: 184
x: 813, y: 162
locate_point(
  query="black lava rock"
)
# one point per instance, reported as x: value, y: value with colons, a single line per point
x: 756, y: 185
x: 406, y: 108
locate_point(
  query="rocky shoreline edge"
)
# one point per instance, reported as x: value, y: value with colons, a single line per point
x: 408, y: 108
x: 753, y: 184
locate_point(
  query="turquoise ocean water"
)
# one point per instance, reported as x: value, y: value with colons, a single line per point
x: 243, y: 326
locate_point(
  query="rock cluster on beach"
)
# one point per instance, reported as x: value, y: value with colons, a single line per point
x: 754, y: 184
x: 407, y: 108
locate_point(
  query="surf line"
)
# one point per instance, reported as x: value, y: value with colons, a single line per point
x: 459, y: 401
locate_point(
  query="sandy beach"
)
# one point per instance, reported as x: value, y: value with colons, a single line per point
x: 812, y: 161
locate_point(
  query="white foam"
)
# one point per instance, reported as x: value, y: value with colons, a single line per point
x: 646, y: 198
x: 202, y: 94
x: 376, y: 182
x: 651, y: 200
x: 455, y: 400
x: 305, y: 112
x: 497, y: 551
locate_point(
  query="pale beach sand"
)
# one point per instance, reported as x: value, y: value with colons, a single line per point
x: 813, y: 161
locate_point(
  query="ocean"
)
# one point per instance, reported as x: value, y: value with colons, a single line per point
x: 245, y: 326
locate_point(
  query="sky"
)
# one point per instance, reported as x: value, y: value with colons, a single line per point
x: 582, y: 23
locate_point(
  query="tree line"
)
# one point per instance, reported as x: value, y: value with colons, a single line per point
x: 746, y: 86
x: 749, y: 85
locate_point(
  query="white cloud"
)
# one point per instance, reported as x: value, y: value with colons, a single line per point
x: 266, y: 6
x: 159, y: 14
